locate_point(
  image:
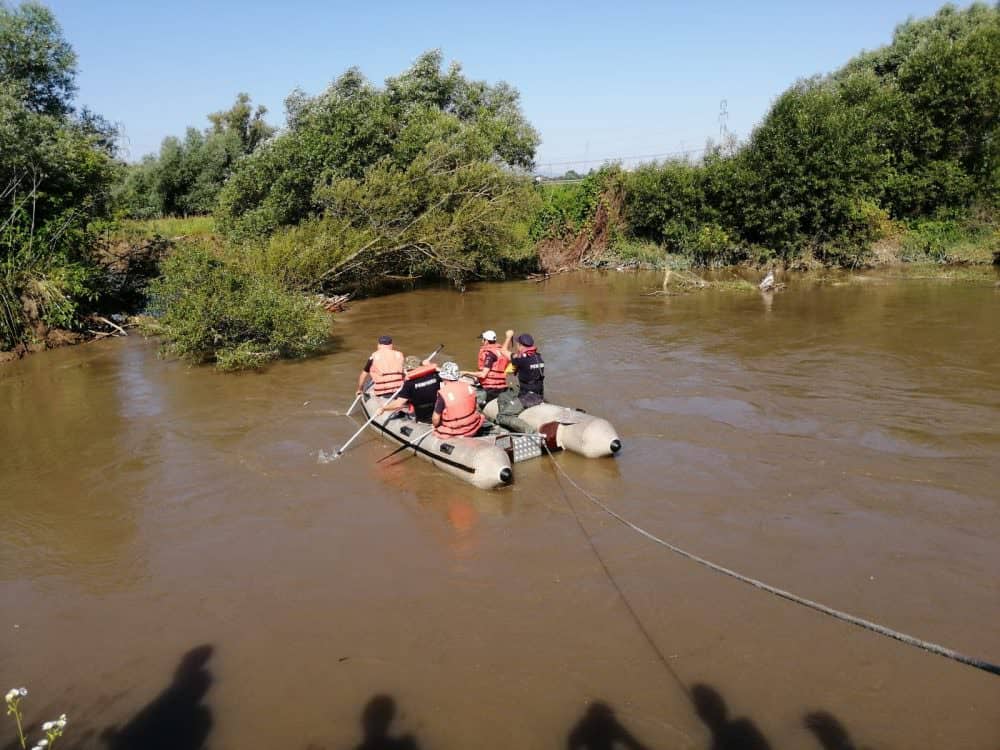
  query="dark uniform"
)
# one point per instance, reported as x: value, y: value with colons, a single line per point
x: 530, y: 369
x: 421, y: 392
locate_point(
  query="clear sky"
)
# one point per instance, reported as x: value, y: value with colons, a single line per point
x: 598, y: 80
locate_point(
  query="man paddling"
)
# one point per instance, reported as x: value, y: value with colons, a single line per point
x: 385, y: 367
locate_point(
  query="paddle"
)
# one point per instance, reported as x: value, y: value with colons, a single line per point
x: 372, y: 417
x: 353, y: 404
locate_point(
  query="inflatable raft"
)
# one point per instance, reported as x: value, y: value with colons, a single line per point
x: 482, y: 461
x: 568, y: 429
x: 487, y: 461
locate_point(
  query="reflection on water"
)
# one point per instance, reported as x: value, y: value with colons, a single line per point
x: 837, y: 441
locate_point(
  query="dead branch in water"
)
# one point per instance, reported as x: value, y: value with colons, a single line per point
x: 109, y: 324
x: 333, y: 304
x: 539, y: 277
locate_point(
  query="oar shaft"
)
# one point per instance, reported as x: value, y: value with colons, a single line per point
x: 353, y: 404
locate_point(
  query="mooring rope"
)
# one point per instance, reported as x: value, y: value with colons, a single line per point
x: 628, y: 605
x: 934, y: 648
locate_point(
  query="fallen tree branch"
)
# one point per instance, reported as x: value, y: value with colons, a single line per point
x: 111, y: 325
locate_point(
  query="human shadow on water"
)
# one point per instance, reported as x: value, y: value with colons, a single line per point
x: 599, y: 729
x: 829, y: 732
x: 727, y: 734
x: 376, y: 719
x: 176, y: 719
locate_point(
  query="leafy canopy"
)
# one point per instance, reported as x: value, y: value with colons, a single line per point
x: 35, y: 61
x: 187, y: 175
x: 355, y: 126
x: 56, y: 170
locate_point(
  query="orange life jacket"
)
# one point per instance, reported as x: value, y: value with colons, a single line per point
x: 460, y: 416
x: 496, y: 376
x: 386, y: 370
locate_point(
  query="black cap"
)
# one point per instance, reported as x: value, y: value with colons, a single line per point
x: 385, y: 339
x: 525, y: 340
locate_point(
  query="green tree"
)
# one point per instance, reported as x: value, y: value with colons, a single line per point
x: 243, y: 121
x: 212, y: 311
x: 187, y: 175
x: 909, y: 131
x: 354, y: 125
x: 35, y: 60
x: 55, y: 175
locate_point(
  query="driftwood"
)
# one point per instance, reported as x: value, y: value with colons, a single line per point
x: 334, y: 304
x: 538, y: 277
x: 101, y: 321
x: 109, y: 324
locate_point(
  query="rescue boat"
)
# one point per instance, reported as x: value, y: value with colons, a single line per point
x: 482, y: 461
x: 568, y: 429
x: 487, y: 461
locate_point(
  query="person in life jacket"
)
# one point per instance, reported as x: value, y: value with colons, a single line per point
x: 527, y: 363
x: 492, y: 364
x: 420, y: 389
x: 384, y: 367
x: 455, y: 412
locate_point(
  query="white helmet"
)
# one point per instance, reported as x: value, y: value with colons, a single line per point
x: 450, y: 371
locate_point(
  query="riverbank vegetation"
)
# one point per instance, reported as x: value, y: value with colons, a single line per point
x: 57, y: 170
x: 893, y: 156
x: 233, y: 228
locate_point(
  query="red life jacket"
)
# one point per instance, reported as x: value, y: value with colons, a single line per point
x: 460, y: 416
x: 386, y: 370
x: 496, y: 376
x: 419, y: 372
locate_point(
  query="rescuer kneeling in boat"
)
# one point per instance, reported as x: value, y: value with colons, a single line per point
x: 492, y: 372
x: 385, y: 367
x: 455, y: 411
x: 419, y: 391
x: 529, y: 366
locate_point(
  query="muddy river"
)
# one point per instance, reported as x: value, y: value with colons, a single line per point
x: 177, y: 568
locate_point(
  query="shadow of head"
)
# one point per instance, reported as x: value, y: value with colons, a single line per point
x: 176, y: 719
x: 600, y: 712
x: 709, y: 706
x: 378, y: 716
x: 191, y: 676
x: 829, y: 732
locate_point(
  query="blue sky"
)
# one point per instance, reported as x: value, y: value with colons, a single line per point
x: 597, y: 80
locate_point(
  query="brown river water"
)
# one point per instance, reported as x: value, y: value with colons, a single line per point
x: 178, y: 569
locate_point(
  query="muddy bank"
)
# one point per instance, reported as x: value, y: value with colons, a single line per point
x: 47, y: 338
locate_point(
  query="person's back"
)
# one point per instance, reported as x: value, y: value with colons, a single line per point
x: 455, y: 411
x: 530, y: 368
x: 384, y: 367
x: 420, y: 390
x: 492, y: 362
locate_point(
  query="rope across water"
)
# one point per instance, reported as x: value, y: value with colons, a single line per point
x: 934, y: 648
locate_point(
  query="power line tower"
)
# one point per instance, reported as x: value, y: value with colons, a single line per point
x: 723, y: 120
